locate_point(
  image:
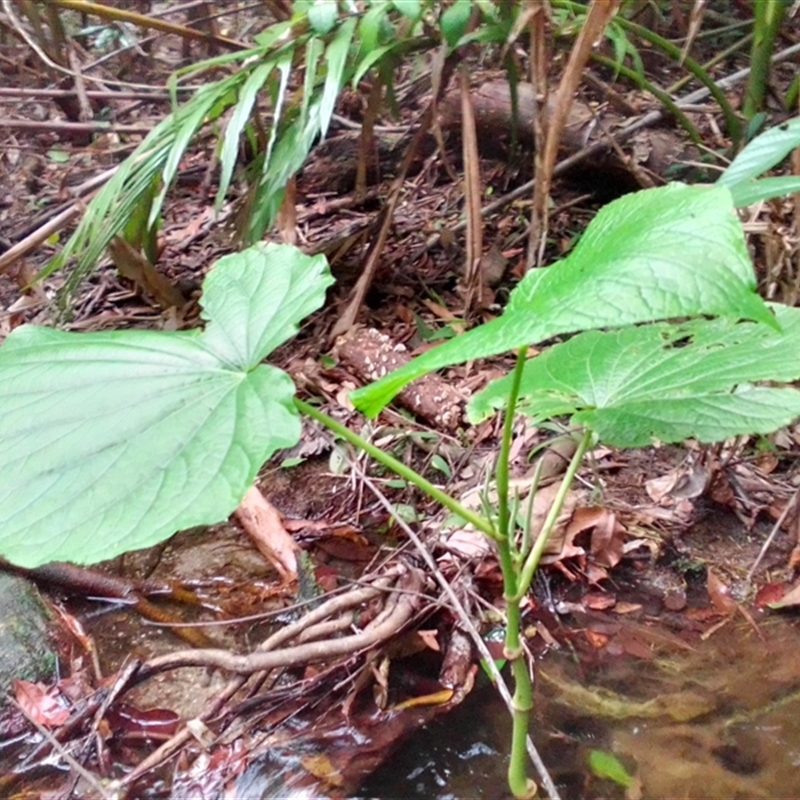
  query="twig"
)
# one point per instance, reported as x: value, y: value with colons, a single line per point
x: 92, y: 94
x: 65, y: 126
x: 790, y: 504
x: 16, y: 24
x: 40, y: 235
x: 90, y: 778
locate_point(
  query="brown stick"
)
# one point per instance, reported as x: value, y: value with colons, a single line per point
x: 42, y: 233
x: 599, y: 14
x: 92, y: 94
x: 57, y: 125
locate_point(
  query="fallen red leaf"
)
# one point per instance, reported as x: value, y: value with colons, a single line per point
x: 791, y: 598
x: 720, y: 594
x: 769, y: 594
x: 43, y: 705
x: 130, y: 722
x: 596, y: 640
x: 599, y: 601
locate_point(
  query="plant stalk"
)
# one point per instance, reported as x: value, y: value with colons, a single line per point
x: 532, y: 561
x: 502, y: 468
x: 768, y: 17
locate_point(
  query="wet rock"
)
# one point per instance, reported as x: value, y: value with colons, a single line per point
x: 26, y: 645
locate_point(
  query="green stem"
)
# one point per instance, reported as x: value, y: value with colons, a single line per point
x: 659, y: 94
x: 399, y: 468
x: 712, y: 62
x: 502, y: 468
x: 516, y: 583
x: 522, y: 700
x: 532, y: 561
x: 768, y: 18
x: 521, y: 703
x: 732, y: 121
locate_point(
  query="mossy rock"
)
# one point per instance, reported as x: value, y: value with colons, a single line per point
x: 26, y: 635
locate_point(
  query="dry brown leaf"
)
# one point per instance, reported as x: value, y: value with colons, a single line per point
x: 560, y: 544
x: 430, y: 639
x: 134, y: 266
x: 321, y: 767
x: 468, y: 543
x: 720, y: 594
x: 599, y: 601
x: 607, y: 545
x: 262, y: 523
x: 627, y: 608
x: 684, y: 482
x: 596, y: 640
x: 40, y: 703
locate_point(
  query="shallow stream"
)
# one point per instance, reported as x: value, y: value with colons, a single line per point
x: 718, y: 718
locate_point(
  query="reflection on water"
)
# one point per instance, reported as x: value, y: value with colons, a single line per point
x: 718, y: 720
x: 456, y: 756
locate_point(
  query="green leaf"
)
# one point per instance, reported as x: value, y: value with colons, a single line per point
x: 371, y: 26
x: 437, y: 462
x: 606, y: 765
x: 664, y: 382
x: 406, y: 512
x: 276, y: 32
x: 454, y: 21
x: 764, y: 152
x: 322, y: 16
x: 113, y: 441
x: 284, y: 65
x: 336, y: 59
x: 290, y: 152
x: 748, y: 192
x: 409, y: 8
x: 254, y: 300
x: 668, y: 252
x: 371, y: 59
x: 184, y: 124
x: 241, y: 113
x: 314, y: 50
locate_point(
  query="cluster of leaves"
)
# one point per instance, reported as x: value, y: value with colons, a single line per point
x: 300, y: 67
x: 280, y: 99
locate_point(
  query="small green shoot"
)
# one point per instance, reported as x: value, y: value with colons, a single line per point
x: 607, y: 766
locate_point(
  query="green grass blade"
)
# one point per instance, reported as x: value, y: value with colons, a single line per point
x: 336, y: 59
x: 244, y: 106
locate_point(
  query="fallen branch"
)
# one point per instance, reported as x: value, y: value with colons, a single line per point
x: 402, y: 604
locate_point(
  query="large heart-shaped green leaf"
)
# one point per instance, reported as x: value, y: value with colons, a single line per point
x: 113, y: 441
x: 664, y: 382
x: 674, y: 251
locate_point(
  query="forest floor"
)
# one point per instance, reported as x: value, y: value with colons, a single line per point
x: 669, y: 554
